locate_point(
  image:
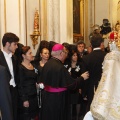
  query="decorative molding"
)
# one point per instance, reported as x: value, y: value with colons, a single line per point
x: 86, y: 22
x: 40, y: 18
x: 26, y: 20
x: 94, y: 12
x: 19, y: 17
x: 77, y: 37
x: 109, y: 9
x: 69, y: 20
x: 5, y: 15
x: 91, y: 19
x: 82, y: 17
x: 43, y: 19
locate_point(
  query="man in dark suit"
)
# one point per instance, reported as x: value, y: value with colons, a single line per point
x: 93, y: 64
x: 7, y: 59
x: 5, y: 97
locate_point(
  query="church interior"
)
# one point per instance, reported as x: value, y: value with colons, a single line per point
x: 58, y: 20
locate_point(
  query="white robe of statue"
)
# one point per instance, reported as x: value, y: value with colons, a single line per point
x: 106, y: 101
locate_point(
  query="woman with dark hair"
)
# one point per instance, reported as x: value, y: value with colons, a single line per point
x: 67, y: 49
x: 51, y: 44
x: 44, y: 54
x: 43, y: 44
x: 75, y: 70
x: 28, y: 75
x: 18, y: 53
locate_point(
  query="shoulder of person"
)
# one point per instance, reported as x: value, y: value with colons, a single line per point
x: 2, y: 68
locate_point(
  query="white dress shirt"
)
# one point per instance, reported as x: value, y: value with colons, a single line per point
x: 98, y: 48
x: 8, y: 58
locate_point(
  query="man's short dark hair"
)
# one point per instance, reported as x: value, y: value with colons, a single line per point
x: 9, y: 37
x: 96, y: 41
x: 80, y: 42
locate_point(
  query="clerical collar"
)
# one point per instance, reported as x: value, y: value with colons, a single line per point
x: 6, y: 54
x: 97, y: 48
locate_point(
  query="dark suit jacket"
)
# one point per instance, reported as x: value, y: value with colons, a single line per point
x: 4, y: 63
x: 5, y: 97
x: 93, y: 64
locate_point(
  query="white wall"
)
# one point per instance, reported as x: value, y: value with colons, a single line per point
x: 104, y: 9
x: 18, y: 16
x: 101, y: 11
x: 12, y: 18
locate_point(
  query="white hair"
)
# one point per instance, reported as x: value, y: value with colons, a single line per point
x: 56, y: 53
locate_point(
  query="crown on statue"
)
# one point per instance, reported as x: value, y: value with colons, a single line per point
x: 113, y: 36
x: 114, y: 40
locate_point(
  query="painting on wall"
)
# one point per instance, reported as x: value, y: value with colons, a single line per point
x: 76, y: 16
x: 76, y: 21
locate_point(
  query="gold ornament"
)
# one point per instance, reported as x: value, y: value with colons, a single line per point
x: 36, y: 32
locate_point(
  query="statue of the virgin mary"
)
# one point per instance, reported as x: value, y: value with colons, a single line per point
x: 106, y: 101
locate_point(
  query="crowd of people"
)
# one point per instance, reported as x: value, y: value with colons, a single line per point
x: 58, y: 83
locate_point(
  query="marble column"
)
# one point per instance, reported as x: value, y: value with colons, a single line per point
x: 53, y: 22
x: 58, y: 17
